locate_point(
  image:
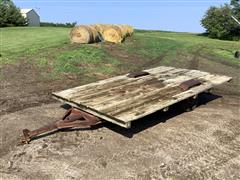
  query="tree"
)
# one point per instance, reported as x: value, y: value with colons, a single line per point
x: 235, y: 4
x: 219, y: 24
x: 236, y: 8
x: 10, y: 15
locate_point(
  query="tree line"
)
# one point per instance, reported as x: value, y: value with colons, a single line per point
x: 219, y: 23
x: 49, y: 24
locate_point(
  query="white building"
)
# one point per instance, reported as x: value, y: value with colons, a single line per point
x: 31, y: 16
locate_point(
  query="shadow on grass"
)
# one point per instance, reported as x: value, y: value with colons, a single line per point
x: 203, y: 34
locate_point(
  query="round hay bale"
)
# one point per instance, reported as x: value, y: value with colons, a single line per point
x: 80, y: 34
x: 127, y: 30
x: 130, y: 29
x: 113, y: 34
x: 101, y: 27
x: 95, y: 34
x: 124, y: 30
x: 84, y: 35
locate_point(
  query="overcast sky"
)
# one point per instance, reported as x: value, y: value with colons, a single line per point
x: 169, y: 15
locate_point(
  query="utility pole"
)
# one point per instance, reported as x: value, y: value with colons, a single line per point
x: 235, y: 19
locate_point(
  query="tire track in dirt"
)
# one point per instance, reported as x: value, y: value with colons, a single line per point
x: 218, y: 60
x: 13, y: 105
x: 135, y: 60
x: 194, y: 63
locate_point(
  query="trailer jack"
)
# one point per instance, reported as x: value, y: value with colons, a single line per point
x: 73, y: 118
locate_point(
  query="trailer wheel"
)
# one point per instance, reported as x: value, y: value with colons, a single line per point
x: 190, y: 103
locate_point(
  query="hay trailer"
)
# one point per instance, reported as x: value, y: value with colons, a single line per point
x: 124, y: 99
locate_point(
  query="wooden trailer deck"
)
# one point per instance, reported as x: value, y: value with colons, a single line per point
x: 122, y: 99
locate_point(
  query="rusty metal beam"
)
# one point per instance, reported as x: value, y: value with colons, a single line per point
x: 73, y: 118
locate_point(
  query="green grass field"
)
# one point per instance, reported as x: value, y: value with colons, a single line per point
x: 50, y: 48
x: 23, y: 41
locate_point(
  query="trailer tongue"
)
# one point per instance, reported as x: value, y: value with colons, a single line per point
x: 73, y: 118
x: 123, y: 99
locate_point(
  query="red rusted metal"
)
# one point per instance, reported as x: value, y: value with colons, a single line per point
x: 73, y: 118
x: 189, y: 84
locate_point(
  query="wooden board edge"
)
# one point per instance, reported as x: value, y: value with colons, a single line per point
x: 183, y: 96
x: 95, y: 113
x: 175, y: 100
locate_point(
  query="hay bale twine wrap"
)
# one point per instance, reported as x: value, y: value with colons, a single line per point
x: 113, y: 34
x: 84, y: 34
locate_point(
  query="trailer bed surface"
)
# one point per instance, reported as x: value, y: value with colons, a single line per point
x: 123, y: 99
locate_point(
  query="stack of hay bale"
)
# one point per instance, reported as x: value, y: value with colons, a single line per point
x: 100, y: 32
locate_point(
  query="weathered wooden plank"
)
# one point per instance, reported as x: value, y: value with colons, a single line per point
x: 122, y: 99
x: 154, y: 106
x: 128, y: 99
x: 131, y: 102
x: 106, y: 87
x: 94, y: 112
x: 105, y: 84
x: 129, y: 89
x: 111, y: 91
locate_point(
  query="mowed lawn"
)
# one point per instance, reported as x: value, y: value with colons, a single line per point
x: 23, y: 41
x: 50, y: 48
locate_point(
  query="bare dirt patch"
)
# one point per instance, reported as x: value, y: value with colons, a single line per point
x: 24, y: 85
x: 202, y: 144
